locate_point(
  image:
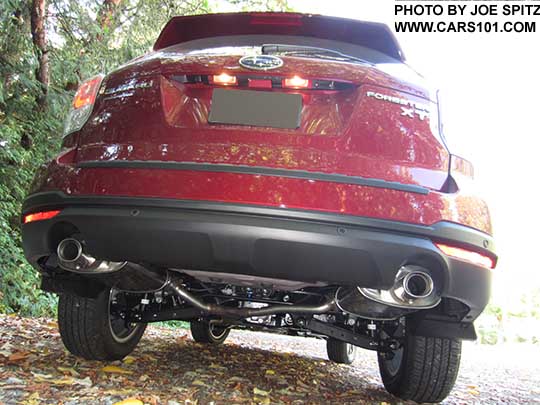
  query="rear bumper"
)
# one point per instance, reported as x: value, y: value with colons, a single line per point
x: 266, y: 242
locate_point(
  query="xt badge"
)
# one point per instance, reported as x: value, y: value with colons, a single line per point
x: 408, y: 108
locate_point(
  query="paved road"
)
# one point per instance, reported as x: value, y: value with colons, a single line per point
x: 169, y: 368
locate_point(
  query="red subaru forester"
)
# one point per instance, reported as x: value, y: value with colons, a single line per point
x: 267, y: 171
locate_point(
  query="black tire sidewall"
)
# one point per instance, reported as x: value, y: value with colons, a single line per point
x: 421, y: 368
x: 337, y: 351
x: 85, y: 329
x: 201, y: 333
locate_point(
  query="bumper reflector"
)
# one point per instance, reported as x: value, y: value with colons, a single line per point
x: 467, y: 255
x: 40, y: 216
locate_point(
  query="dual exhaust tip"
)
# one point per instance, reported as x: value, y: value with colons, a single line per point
x: 413, y: 287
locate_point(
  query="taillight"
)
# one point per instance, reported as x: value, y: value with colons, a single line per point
x: 467, y: 255
x: 224, y: 79
x: 40, y: 216
x: 296, y: 82
x: 82, y: 105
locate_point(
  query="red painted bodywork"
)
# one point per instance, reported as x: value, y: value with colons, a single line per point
x: 143, y: 113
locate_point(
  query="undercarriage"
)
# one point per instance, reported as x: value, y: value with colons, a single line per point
x: 368, y: 318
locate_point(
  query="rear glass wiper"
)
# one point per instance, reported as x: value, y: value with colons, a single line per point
x: 313, y: 51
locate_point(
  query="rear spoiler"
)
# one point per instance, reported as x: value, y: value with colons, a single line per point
x: 371, y: 35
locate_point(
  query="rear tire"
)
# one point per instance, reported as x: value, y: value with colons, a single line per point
x: 204, y: 332
x: 89, y: 331
x: 340, y: 352
x: 424, y: 369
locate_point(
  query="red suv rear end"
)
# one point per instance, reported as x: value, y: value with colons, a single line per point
x: 280, y: 172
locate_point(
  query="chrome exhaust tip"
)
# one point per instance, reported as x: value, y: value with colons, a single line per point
x: 418, y: 285
x: 413, y: 288
x: 69, y: 250
x: 71, y: 257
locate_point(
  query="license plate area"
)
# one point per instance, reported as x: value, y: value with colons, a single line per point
x: 255, y: 108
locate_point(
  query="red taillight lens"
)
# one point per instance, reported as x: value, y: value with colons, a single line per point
x: 83, y: 104
x: 224, y: 80
x: 40, y: 216
x: 276, y: 19
x: 87, y: 92
x: 296, y: 82
x: 467, y: 255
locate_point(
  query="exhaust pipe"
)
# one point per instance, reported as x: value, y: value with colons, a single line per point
x: 71, y: 257
x: 416, y: 285
x: 69, y: 250
x: 413, y: 288
x: 241, y: 313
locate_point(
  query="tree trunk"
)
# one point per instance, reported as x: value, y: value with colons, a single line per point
x: 37, y: 20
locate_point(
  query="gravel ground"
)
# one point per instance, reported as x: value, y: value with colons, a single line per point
x: 169, y: 368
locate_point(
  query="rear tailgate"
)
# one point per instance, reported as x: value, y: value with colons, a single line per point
x: 359, y: 128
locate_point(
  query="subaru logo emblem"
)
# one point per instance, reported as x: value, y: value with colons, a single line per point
x: 261, y: 62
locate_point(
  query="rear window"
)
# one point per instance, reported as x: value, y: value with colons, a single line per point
x: 245, y: 44
x: 374, y: 36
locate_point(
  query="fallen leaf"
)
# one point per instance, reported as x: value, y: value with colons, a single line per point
x: 85, y: 382
x: 42, y: 377
x: 69, y: 370
x: 258, y: 391
x: 116, y: 370
x: 33, y: 399
x: 199, y: 383
x: 270, y: 372
x: 129, y: 360
x: 5, y: 350
x: 64, y: 381
x: 130, y: 401
x: 18, y: 356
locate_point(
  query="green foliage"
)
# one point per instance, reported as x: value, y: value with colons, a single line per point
x: 27, y: 138
x: 262, y: 5
x: 173, y: 324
